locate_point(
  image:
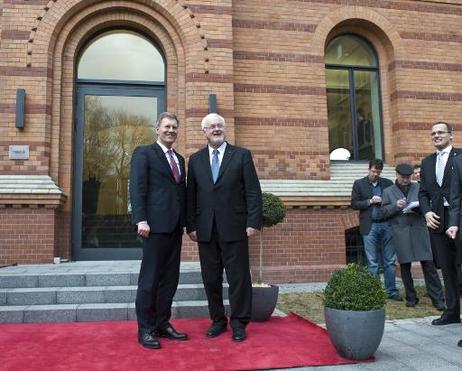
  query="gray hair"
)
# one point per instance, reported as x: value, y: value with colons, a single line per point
x: 166, y: 115
x: 211, y: 117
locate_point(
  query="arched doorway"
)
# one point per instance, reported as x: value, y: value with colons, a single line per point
x: 353, y: 98
x: 120, y: 90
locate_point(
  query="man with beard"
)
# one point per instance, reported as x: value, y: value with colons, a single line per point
x: 224, y: 209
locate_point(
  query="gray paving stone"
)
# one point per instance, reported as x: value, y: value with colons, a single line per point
x: 36, y: 296
x: 2, y: 297
x: 427, y: 362
x: 449, y: 352
x: 61, y: 280
x: 80, y: 295
x: 131, y: 312
x: 12, y: 314
x: 119, y: 294
x: 50, y: 313
x: 102, y: 312
x: 109, y: 279
x: 18, y: 280
x: 134, y: 278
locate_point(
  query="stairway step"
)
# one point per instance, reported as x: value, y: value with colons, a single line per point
x: 82, y: 279
x: 94, y: 312
x: 91, y: 294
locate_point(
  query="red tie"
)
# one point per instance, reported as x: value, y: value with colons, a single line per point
x: 174, y: 166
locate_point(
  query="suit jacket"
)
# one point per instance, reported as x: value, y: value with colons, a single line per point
x: 410, y: 235
x: 455, y: 195
x: 360, y: 196
x: 154, y: 194
x: 234, y: 201
x: 431, y: 194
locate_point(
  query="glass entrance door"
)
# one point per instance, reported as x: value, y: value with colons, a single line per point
x: 110, y: 123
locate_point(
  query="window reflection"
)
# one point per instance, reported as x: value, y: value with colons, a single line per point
x: 114, y: 126
x: 121, y: 55
x: 350, y: 50
x: 353, y: 100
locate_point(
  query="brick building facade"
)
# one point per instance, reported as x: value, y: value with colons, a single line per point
x: 265, y: 62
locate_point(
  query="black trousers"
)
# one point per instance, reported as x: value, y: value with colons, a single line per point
x: 234, y: 258
x: 448, y: 256
x: 158, y: 279
x: 432, y: 282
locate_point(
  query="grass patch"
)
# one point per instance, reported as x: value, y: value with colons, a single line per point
x: 309, y: 305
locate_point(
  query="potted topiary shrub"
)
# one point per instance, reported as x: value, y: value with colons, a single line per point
x: 354, y: 309
x: 264, y: 296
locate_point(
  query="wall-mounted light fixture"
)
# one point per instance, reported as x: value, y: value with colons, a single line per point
x: 20, y: 108
x: 212, y: 103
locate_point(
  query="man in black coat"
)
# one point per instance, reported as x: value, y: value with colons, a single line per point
x: 366, y: 196
x: 434, y: 199
x: 158, y: 200
x: 224, y: 209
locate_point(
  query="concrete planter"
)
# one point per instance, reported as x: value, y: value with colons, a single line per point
x: 355, y: 334
x: 264, y: 301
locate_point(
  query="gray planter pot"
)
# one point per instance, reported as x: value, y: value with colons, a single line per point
x: 355, y: 334
x: 264, y: 301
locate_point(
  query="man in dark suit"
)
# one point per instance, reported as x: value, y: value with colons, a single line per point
x: 455, y: 209
x: 366, y: 196
x: 434, y: 199
x: 158, y: 200
x: 224, y: 209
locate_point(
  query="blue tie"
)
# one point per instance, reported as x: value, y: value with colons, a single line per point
x: 215, y: 165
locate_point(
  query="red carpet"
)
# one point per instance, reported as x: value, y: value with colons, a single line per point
x: 281, y: 342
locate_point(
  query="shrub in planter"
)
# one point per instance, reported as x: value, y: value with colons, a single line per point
x: 354, y: 303
x: 354, y: 288
x: 265, y: 296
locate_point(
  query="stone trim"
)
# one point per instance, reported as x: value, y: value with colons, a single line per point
x: 30, y: 190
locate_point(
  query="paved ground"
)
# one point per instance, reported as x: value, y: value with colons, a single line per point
x: 410, y: 344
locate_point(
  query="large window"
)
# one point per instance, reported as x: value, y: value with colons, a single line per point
x: 353, y: 98
x: 120, y: 92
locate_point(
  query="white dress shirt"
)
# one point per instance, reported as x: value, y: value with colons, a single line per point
x: 221, y: 152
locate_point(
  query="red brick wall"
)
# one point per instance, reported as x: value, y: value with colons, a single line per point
x: 265, y: 62
x: 27, y: 235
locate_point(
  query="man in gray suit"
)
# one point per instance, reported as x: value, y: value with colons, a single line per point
x: 224, y: 209
x: 410, y: 236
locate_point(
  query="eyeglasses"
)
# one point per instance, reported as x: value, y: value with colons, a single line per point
x: 433, y: 133
x: 215, y: 126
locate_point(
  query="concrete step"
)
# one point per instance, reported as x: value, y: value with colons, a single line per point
x: 88, y: 291
x: 72, y: 279
x: 91, y: 294
x: 94, y: 312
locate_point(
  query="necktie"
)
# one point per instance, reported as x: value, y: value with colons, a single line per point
x: 215, y: 165
x: 174, y: 166
x: 440, y: 168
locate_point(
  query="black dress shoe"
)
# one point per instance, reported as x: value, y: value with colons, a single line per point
x: 443, y: 320
x: 216, y: 329
x: 412, y: 303
x: 440, y: 306
x: 148, y: 341
x: 239, y: 334
x: 170, y: 333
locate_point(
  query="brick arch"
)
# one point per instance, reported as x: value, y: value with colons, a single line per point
x: 388, y: 45
x: 349, y: 219
x: 57, y: 14
x: 344, y: 14
x: 72, y: 36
